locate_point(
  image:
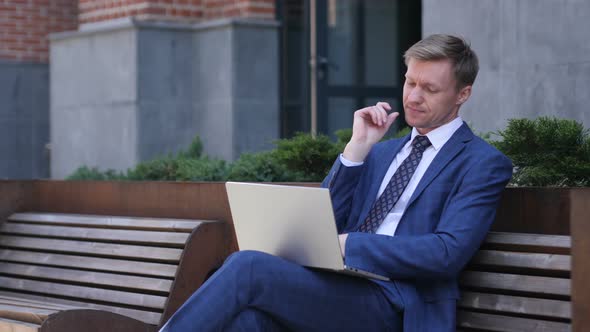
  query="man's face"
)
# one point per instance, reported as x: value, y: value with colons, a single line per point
x: 431, y: 98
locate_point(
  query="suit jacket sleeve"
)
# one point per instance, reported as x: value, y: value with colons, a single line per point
x: 460, y: 230
x: 342, y: 182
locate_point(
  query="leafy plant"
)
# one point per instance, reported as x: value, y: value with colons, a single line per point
x: 547, y: 152
x: 195, y: 149
x: 307, y: 157
x: 260, y: 167
x: 302, y: 158
x: 86, y: 173
x: 202, y: 169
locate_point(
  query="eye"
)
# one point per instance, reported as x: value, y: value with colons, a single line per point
x: 412, y: 84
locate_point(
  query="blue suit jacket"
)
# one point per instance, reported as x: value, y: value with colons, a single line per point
x: 445, y: 222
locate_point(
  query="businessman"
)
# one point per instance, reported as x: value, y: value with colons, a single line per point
x: 413, y: 209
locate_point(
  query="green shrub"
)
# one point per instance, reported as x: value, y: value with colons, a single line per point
x: 159, y: 169
x: 93, y: 174
x: 298, y: 159
x: 260, y: 167
x: 307, y: 157
x: 186, y: 165
x: 179, y: 168
x: 202, y: 169
x: 547, y: 152
x: 195, y: 149
x: 343, y: 136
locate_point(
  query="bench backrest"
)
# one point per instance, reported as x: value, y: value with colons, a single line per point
x: 119, y: 264
x: 518, y: 282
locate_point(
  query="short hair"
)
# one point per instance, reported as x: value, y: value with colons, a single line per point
x: 456, y: 49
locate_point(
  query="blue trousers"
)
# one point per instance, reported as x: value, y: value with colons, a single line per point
x: 254, y: 291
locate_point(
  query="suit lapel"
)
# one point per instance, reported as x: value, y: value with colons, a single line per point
x: 453, y: 146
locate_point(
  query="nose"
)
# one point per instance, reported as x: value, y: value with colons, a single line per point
x: 415, y: 95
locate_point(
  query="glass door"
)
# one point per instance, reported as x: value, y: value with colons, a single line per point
x: 356, y: 56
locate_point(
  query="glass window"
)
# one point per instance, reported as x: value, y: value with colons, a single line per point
x: 382, y: 54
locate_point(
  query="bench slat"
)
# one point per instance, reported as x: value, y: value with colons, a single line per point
x: 155, y: 224
x: 93, y: 234
x: 149, y: 317
x: 32, y: 303
x: 552, y: 262
x: 168, y: 255
x: 487, y: 322
x: 10, y: 325
x: 25, y: 313
x: 516, y: 305
x: 553, y: 244
x: 91, y: 263
x: 515, y: 282
x: 84, y: 293
x: 97, y: 279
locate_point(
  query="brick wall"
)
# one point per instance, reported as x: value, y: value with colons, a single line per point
x: 264, y: 9
x: 174, y: 10
x: 102, y: 10
x: 25, y: 24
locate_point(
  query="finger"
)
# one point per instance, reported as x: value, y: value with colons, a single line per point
x: 364, y: 113
x: 382, y: 114
x: 385, y: 105
x: 374, y: 116
x: 391, y: 118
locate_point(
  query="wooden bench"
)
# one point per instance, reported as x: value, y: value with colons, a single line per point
x: 518, y: 282
x: 68, y: 272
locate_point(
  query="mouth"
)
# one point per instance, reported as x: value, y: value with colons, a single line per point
x: 410, y: 109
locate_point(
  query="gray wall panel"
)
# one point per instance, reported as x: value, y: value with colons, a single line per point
x: 94, y: 69
x: 534, y: 57
x: 165, y: 113
x: 215, y: 121
x: 24, y: 123
x: 164, y: 59
x: 237, y: 98
x: 213, y: 67
x: 213, y: 98
x: 103, y: 136
x: 255, y: 126
x: 93, y: 101
x: 256, y: 88
x: 164, y: 127
x: 255, y: 61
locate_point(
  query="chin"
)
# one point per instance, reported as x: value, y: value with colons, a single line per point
x: 412, y: 122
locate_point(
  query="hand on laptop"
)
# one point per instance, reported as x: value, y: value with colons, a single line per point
x: 342, y: 239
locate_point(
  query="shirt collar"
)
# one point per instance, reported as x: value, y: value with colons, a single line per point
x: 439, y: 136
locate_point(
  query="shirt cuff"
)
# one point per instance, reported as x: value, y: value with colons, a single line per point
x: 349, y: 163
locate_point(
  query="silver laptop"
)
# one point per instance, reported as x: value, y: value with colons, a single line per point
x: 295, y: 223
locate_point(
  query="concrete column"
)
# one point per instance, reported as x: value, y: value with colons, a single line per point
x: 131, y: 90
x: 237, y: 75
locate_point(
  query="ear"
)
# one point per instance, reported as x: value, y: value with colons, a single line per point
x: 463, y: 95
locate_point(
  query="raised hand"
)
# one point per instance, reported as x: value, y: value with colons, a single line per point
x: 369, y: 126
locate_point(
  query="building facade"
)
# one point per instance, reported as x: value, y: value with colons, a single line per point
x: 24, y: 82
x: 110, y: 83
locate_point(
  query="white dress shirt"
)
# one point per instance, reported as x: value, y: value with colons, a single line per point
x: 438, y: 137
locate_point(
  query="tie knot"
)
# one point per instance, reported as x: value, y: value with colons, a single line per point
x: 420, y: 143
